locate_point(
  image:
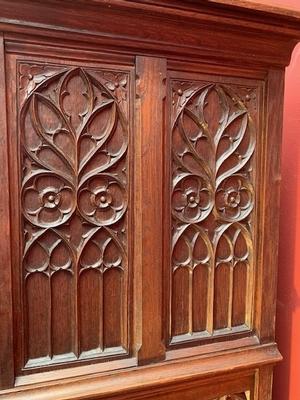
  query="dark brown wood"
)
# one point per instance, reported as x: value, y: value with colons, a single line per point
x: 74, y: 280
x: 6, y: 321
x: 150, y: 90
x: 214, y: 138
x: 140, y: 149
x: 161, y: 378
x: 109, y: 23
x: 257, y: 5
x: 263, y: 389
x: 267, y: 236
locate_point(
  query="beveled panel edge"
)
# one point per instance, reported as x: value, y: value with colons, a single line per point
x: 73, y: 372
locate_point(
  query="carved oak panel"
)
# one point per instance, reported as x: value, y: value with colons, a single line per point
x: 73, y: 125
x: 213, y: 135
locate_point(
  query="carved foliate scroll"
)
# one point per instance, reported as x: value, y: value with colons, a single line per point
x: 74, y: 126
x: 239, y: 396
x: 212, y: 202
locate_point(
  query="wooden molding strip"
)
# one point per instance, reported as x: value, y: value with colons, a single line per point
x: 273, y: 35
x: 146, y: 379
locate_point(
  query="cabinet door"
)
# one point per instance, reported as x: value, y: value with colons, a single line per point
x: 70, y: 127
x: 214, y: 130
x: 85, y: 227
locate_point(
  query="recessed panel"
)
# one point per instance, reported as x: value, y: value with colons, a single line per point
x: 213, y: 140
x: 74, y: 131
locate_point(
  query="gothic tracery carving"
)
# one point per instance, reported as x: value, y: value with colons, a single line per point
x: 213, y: 142
x: 74, y: 139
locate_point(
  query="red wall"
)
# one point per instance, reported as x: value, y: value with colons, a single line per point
x: 287, y: 374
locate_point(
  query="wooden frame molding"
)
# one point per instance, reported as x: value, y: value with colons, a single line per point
x: 127, y: 383
x: 6, y: 326
x: 151, y: 75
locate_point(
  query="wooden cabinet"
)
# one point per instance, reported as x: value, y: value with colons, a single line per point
x: 140, y: 171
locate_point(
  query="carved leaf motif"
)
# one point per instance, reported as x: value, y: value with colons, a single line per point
x: 67, y: 139
x: 213, y: 143
x: 74, y: 139
x: 32, y: 75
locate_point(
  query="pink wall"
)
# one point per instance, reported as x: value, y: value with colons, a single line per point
x: 287, y: 374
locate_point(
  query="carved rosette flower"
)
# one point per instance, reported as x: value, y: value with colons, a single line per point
x: 73, y: 132
x: 48, y: 200
x: 103, y: 200
x: 234, y: 199
x: 191, y: 199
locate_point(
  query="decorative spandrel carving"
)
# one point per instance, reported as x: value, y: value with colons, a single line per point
x: 239, y: 396
x: 212, y: 202
x: 74, y: 125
